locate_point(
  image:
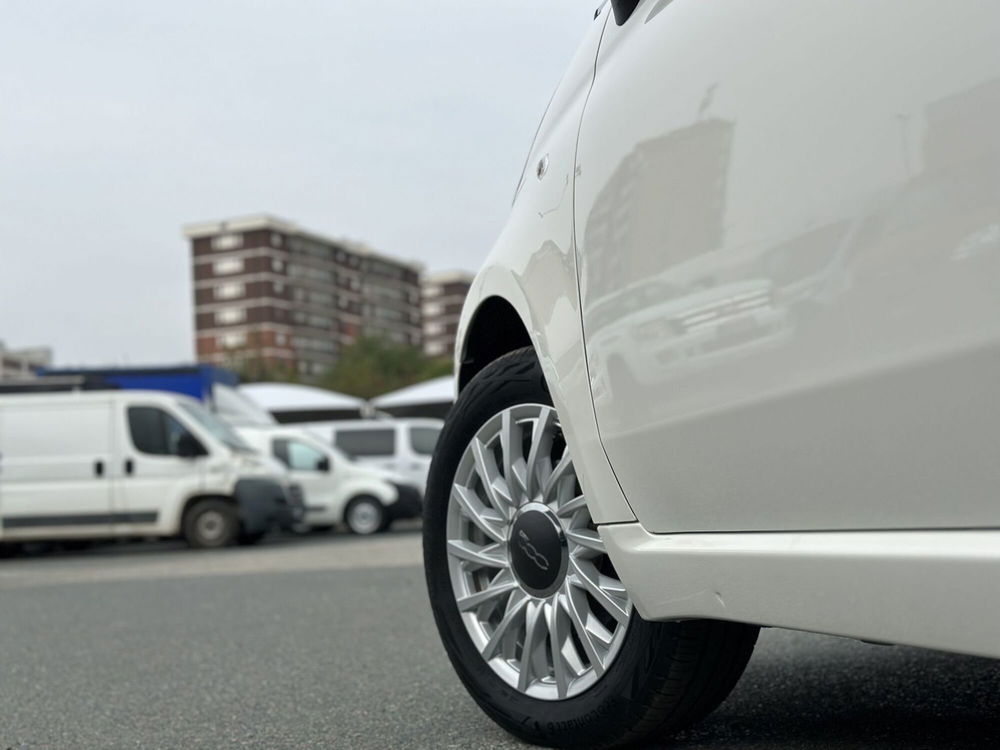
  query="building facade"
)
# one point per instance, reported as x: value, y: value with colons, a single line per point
x: 443, y: 297
x: 18, y: 364
x: 267, y: 291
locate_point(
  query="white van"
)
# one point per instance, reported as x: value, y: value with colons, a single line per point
x: 336, y: 489
x: 131, y: 464
x: 403, y: 446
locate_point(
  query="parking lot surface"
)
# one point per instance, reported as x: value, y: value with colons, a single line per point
x: 328, y: 642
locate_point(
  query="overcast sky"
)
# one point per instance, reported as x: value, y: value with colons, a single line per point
x: 402, y: 123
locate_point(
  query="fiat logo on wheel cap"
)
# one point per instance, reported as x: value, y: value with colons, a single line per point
x: 529, y: 549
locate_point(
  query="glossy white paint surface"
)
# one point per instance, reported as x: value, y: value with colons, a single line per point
x: 936, y: 589
x: 532, y: 266
x: 788, y: 223
x: 783, y: 247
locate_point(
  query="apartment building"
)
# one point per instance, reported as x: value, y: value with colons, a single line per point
x: 443, y: 296
x: 17, y: 364
x: 267, y: 290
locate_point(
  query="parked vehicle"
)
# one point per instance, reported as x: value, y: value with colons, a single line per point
x: 401, y: 446
x: 131, y: 464
x: 197, y: 381
x: 337, y: 490
x: 732, y: 362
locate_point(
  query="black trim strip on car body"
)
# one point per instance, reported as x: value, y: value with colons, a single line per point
x: 82, y: 519
x: 623, y: 9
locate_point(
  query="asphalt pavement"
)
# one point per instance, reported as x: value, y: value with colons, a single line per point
x: 328, y: 642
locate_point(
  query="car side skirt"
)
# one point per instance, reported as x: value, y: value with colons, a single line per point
x: 934, y: 589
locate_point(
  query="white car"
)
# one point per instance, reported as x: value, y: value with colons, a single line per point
x: 131, y: 464
x: 336, y: 489
x: 725, y: 367
x: 402, y: 446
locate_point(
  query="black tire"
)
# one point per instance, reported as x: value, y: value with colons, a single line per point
x: 222, y: 530
x: 666, y: 675
x: 325, y: 528
x: 366, y: 515
x: 247, y: 539
x: 76, y: 545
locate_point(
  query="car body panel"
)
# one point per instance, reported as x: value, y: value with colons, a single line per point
x: 532, y: 267
x: 780, y: 302
x: 934, y: 589
x: 404, y: 464
x: 815, y: 226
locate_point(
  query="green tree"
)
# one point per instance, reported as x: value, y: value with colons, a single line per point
x: 247, y: 362
x: 372, y: 366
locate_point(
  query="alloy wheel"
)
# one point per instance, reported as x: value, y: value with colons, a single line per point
x: 531, y: 577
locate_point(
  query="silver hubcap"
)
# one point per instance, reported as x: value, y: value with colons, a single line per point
x: 211, y: 526
x: 365, y: 518
x: 531, y: 577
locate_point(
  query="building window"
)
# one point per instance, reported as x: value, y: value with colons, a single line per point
x: 229, y: 291
x: 432, y: 291
x: 435, y: 349
x: 227, y: 241
x: 227, y: 266
x: 433, y: 308
x: 277, y: 265
x: 434, y: 329
x: 232, y: 340
x: 280, y: 339
x: 275, y: 239
x: 279, y: 288
x: 230, y: 315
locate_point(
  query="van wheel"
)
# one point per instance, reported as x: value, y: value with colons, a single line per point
x: 365, y: 515
x: 531, y: 611
x: 210, y: 524
x: 246, y: 539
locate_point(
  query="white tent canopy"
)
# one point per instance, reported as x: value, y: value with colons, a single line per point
x: 437, y: 391
x: 291, y: 397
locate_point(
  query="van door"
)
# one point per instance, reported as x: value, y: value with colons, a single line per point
x: 55, y: 464
x: 421, y: 442
x: 787, y: 328
x: 157, y: 470
x: 312, y: 469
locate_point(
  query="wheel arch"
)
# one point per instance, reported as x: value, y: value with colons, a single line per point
x: 384, y: 492
x: 506, y: 311
x: 194, y: 500
x: 495, y: 329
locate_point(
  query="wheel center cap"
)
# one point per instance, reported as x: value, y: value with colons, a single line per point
x: 537, y: 549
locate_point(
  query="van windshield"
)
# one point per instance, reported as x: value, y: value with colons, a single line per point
x: 216, y: 426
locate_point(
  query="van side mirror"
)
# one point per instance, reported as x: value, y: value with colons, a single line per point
x: 189, y: 447
x: 323, y: 465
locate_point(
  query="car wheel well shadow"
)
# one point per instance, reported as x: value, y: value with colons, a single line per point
x: 496, y: 329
